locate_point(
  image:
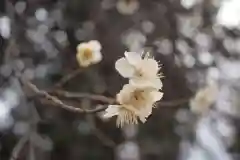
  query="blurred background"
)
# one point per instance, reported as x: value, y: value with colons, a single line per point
x: 194, y: 40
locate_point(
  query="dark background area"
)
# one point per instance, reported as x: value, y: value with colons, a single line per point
x: 42, y: 44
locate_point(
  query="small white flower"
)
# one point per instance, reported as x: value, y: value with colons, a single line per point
x: 127, y: 7
x: 89, y: 53
x: 204, y: 98
x: 141, y: 71
x: 134, y: 103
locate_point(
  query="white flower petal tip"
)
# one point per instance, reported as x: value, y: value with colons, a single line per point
x: 89, y: 53
x: 142, y: 71
x: 111, y: 111
x: 124, y: 68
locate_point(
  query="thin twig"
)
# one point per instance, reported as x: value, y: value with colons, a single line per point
x: 67, y: 78
x: 17, y: 149
x: 173, y: 103
x: 99, y: 134
x: 58, y: 102
x: 109, y: 100
x: 68, y: 94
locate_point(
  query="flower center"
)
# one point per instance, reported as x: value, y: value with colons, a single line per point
x: 139, y: 73
x: 138, y: 98
x: 87, y: 54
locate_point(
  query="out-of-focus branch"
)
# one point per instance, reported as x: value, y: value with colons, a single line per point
x: 99, y: 134
x: 19, y: 146
x: 58, y: 102
x: 172, y: 103
x: 67, y: 78
x: 67, y: 94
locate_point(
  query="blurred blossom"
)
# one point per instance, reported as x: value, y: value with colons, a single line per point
x: 237, y: 45
x: 229, y: 69
x: 229, y: 44
x: 203, y: 41
x: 36, y: 36
x: 208, y: 138
x: 20, y: 7
x: 50, y: 50
x: 228, y: 14
x: 189, y: 3
x: 29, y: 74
x: 6, y: 119
x: 227, y: 101
x: 198, y: 153
x: 164, y: 46
x: 19, y: 65
x: 218, y: 31
x: 128, y: 151
x: 50, y: 22
x: 41, y: 14
x: 148, y: 27
x: 204, y: 99
x: 43, y: 29
x: 226, y: 130
x: 5, y: 28
x: 183, y: 47
x: 188, y: 60
x: 134, y: 40
x: 6, y: 70
x: 61, y: 37
x: 127, y: 7
x: 183, y: 115
x: 188, y: 25
x: 205, y: 58
x: 11, y: 97
x: 21, y: 128
x: 213, y: 73
x: 177, y: 61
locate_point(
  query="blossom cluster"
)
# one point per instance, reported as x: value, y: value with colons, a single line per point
x: 137, y: 98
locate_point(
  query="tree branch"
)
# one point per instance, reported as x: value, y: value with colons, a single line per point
x: 17, y: 149
x: 60, y: 103
x: 67, y: 78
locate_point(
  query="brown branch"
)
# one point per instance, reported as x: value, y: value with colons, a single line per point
x: 109, y: 100
x: 67, y: 78
x: 19, y: 146
x: 60, y: 103
x: 68, y: 94
x: 173, y: 103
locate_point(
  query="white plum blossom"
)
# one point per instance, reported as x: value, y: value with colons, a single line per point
x: 142, y: 71
x: 89, y: 53
x: 135, y: 103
